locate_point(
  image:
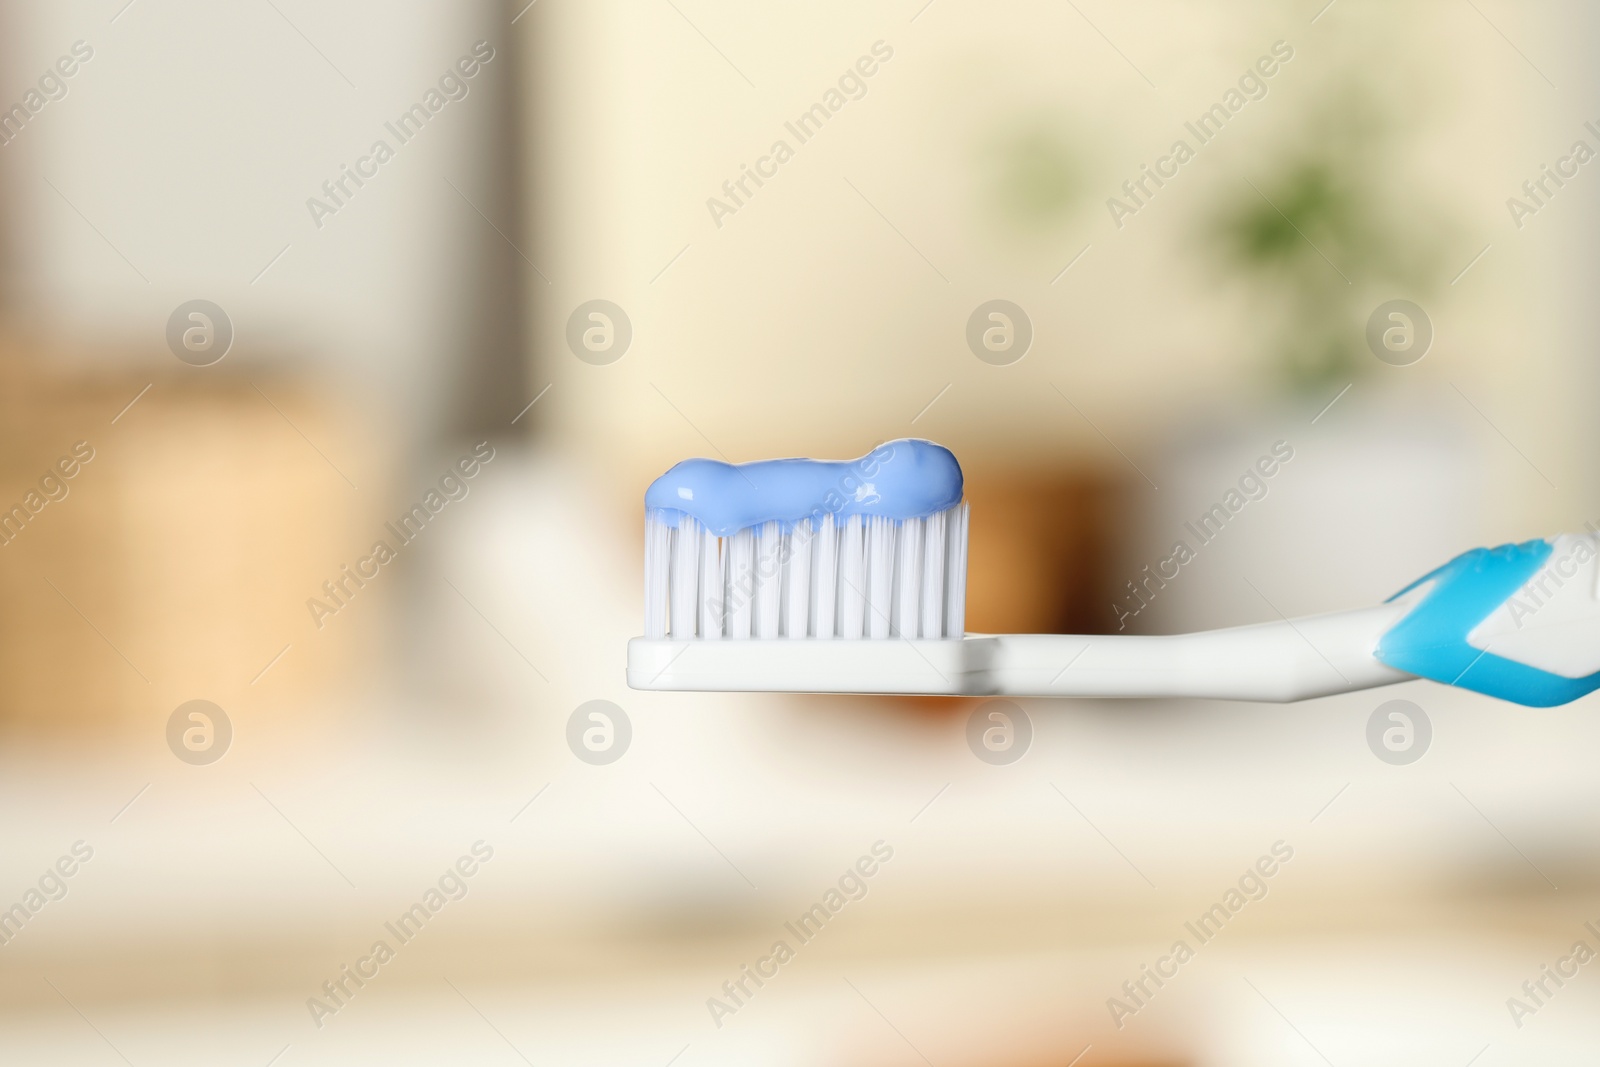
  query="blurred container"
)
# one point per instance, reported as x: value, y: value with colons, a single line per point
x: 1043, y: 545
x: 176, y: 561
x: 1376, y: 494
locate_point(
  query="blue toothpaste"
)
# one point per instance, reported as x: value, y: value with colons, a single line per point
x: 904, y: 479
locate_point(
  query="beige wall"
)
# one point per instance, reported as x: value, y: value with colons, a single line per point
x: 806, y: 324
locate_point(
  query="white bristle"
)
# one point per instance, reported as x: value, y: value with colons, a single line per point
x: 684, y: 585
x: 855, y: 578
x: 769, y: 580
x: 955, y: 571
x: 932, y: 575
x: 903, y: 621
x: 657, y: 551
x: 824, y: 577
x: 797, y: 580
x: 741, y: 581
x: 880, y: 575
x: 852, y: 578
x: 712, y: 581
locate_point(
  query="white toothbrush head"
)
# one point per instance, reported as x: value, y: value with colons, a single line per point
x: 797, y: 549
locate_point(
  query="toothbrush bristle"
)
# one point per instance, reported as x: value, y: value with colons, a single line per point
x: 855, y: 577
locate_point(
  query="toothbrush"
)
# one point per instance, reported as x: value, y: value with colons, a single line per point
x: 806, y: 576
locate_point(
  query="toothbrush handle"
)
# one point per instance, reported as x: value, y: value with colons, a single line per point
x: 1277, y: 661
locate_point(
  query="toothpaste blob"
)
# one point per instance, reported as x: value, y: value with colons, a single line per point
x: 802, y: 549
x: 904, y: 479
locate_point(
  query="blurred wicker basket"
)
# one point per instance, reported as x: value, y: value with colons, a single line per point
x: 177, y: 563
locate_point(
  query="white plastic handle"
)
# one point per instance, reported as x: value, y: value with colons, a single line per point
x: 1279, y: 661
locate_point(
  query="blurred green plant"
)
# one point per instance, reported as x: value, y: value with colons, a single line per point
x: 1038, y: 174
x: 1321, y: 238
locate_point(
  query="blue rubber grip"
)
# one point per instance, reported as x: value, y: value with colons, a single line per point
x: 1431, y: 641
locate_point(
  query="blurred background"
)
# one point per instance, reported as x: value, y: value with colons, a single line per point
x: 378, y: 321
